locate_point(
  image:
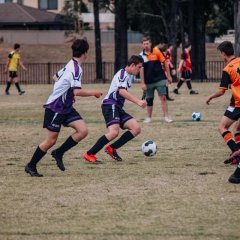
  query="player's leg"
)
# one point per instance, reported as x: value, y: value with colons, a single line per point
x: 149, y: 99
x: 235, y: 177
x: 180, y: 83
x: 40, y: 152
x: 161, y: 89
x: 9, y: 83
x: 16, y: 81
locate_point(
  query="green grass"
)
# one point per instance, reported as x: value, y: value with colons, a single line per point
x: 180, y: 193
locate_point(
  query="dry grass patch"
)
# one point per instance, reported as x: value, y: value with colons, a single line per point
x: 180, y: 193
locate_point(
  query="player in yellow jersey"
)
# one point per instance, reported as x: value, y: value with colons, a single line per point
x: 12, y: 67
x: 230, y: 76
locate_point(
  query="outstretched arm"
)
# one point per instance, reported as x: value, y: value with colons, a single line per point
x: 217, y: 94
x: 87, y: 93
x: 124, y: 93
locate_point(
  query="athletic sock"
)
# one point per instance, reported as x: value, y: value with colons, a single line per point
x: 101, y: 142
x: 68, y: 144
x: 18, y: 87
x: 180, y: 82
x: 37, y: 156
x: 228, y: 138
x: 189, y: 85
x: 237, y: 139
x: 8, y: 86
x: 127, y: 136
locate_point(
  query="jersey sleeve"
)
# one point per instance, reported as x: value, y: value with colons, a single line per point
x: 159, y: 55
x: 225, y: 81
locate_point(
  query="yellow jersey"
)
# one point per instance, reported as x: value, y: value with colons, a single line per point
x: 14, y: 58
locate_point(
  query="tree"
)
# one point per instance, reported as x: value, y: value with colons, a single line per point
x: 121, y: 37
x: 98, y: 49
x: 236, y: 26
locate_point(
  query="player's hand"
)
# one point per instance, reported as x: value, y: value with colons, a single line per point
x: 142, y: 103
x: 143, y: 86
x: 169, y: 80
x: 97, y: 94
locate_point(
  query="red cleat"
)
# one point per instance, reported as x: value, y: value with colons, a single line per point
x: 113, y: 153
x: 90, y: 158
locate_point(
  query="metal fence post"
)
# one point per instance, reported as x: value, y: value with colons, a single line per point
x: 103, y: 72
x: 49, y: 72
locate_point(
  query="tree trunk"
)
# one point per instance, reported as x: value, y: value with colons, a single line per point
x: 98, y: 50
x: 197, y: 39
x: 236, y: 26
x: 121, y: 40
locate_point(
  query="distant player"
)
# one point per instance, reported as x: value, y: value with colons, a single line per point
x: 12, y: 66
x: 185, y: 69
x: 59, y: 109
x: 230, y: 76
x: 115, y: 116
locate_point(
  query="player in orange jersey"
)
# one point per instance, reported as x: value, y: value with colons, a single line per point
x: 230, y: 76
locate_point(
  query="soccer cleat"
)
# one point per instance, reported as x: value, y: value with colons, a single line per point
x: 234, y: 179
x: 113, y: 153
x: 32, y: 171
x: 90, y: 158
x: 58, y: 159
x: 21, y: 92
x: 7, y: 92
x: 169, y: 99
x: 176, y: 91
x: 193, y: 92
x: 234, y: 157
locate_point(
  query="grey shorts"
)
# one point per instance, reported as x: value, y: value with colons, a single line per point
x: 159, y: 86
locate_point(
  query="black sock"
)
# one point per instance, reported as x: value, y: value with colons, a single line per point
x: 8, y: 86
x: 101, y: 142
x: 180, y: 82
x: 68, y: 144
x: 17, y: 86
x: 189, y: 85
x: 127, y: 136
x: 37, y: 156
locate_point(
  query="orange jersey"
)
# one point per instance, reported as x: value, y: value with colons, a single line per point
x: 187, y: 64
x: 153, y: 71
x: 231, y: 76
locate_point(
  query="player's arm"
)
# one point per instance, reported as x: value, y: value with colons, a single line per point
x: 7, y: 65
x: 217, y: 94
x: 167, y: 67
x: 143, y: 85
x: 86, y: 93
x: 124, y: 93
x: 22, y: 65
x: 180, y: 65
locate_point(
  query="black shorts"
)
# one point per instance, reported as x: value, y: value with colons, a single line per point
x: 13, y: 74
x: 232, y: 113
x: 186, y: 75
x: 53, y: 121
x: 113, y: 114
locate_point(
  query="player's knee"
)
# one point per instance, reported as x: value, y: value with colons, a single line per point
x: 113, y: 133
x: 136, y: 130
x: 149, y: 102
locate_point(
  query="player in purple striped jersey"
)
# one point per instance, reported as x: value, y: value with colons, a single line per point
x: 59, y: 109
x: 115, y: 116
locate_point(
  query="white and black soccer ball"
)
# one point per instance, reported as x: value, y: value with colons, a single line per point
x: 149, y: 148
x: 196, y: 116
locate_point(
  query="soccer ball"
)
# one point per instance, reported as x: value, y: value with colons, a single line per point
x: 196, y: 116
x: 149, y: 148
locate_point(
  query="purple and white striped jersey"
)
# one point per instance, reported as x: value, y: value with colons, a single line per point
x: 62, y: 97
x: 120, y: 80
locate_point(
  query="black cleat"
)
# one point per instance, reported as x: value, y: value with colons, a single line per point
x: 7, y: 92
x: 176, y: 91
x: 58, y: 159
x: 234, y: 179
x: 21, y: 92
x: 169, y: 99
x: 193, y: 92
x: 32, y: 171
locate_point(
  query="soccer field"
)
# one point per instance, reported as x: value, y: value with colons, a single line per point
x: 181, y: 193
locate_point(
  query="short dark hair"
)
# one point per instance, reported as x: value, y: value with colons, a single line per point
x: 16, y: 46
x: 134, y: 59
x: 79, y: 47
x: 146, y: 38
x: 226, y: 47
